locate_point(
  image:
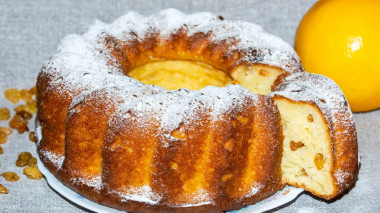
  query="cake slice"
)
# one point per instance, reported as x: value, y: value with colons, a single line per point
x: 320, y: 142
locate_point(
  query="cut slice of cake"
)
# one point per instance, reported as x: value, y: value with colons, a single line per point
x: 320, y: 142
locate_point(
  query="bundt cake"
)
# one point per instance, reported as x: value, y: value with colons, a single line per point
x: 178, y: 112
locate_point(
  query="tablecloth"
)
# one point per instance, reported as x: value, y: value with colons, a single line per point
x: 30, y: 32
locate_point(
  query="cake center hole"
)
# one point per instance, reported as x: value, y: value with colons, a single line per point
x: 176, y: 74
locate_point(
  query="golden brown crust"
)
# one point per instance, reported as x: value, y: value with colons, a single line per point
x: 174, y: 166
x: 180, y: 46
x: 52, y: 111
x: 85, y: 130
x: 346, y: 165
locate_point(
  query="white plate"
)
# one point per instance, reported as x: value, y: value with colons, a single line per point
x: 282, y: 197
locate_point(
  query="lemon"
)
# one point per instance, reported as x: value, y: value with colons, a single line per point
x: 341, y: 39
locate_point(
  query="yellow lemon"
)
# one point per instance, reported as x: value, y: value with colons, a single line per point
x: 341, y: 39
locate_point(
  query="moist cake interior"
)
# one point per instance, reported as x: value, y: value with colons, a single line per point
x: 307, y: 158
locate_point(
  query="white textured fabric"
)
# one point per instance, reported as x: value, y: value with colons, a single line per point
x: 30, y: 32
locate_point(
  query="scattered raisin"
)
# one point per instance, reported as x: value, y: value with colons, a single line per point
x: 26, y: 96
x: 32, y: 172
x: 21, y: 163
x: 32, y: 161
x: 3, y: 137
x: 5, y: 114
x: 12, y: 95
x: 18, y: 123
x: 20, y: 108
x: 24, y: 115
x: 32, y: 137
x: 30, y: 107
x: 6, y: 130
x: 24, y: 156
x: 1, y: 150
x: 11, y: 176
x: 3, y: 190
x: 33, y: 90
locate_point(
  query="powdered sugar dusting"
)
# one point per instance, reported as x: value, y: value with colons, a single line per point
x: 165, y: 22
x: 341, y: 176
x: 142, y: 194
x: 171, y: 108
x: 316, y: 89
x: 57, y: 160
x: 253, y: 191
x: 201, y: 198
x: 95, y: 182
x: 260, y: 46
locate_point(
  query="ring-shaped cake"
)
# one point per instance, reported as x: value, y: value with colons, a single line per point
x: 176, y: 112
